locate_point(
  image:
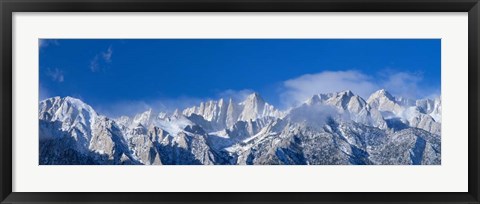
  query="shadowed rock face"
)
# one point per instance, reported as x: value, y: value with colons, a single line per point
x: 144, y: 144
x: 343, y: 144
x: 328, y: 129
x: 57, y: 147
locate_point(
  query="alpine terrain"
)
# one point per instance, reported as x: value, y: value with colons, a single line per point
x: 328, y: 129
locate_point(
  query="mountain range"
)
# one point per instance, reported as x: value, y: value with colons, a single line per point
x: 328, y: 129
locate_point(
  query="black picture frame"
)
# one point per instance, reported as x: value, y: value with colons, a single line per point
x: 7, y: 7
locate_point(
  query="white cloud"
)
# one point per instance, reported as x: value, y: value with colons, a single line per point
x: 300, y: 89
x: 56, y: 74
x: 403, y: 84
x: 101, y: 59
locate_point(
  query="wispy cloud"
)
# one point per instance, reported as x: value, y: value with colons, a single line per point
x: 55, y: 74
x: 298, y: 90
x: 132, y: 107
x: 94, y: 64
x: 166, y: 104
x: 123, y: 108
x: 403, y: 84
x: 42, y: 43
x: 235, y: 95
x: 293, y: 91
x: 107, y: 55
x: 100, y: 60
x: 43, y: 93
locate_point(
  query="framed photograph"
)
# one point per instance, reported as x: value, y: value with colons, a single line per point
x: 239, y: 101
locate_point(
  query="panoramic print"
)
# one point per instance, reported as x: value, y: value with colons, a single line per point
x: 239, y: 102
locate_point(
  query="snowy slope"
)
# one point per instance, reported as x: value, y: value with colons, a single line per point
x: 223, y: 114
x: 333, y: 128
x: 71, y: 130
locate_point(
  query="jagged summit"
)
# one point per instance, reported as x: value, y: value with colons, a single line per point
x: 69, y: 100
x: 67, y: 109
x: 329, y: 128
x: 382, y: 93
x: 254, y: 97
x: 253, y: 107
x: 144, y: 118
x: 347, y: 93
x: 336, y: 98
x: 225, y: 114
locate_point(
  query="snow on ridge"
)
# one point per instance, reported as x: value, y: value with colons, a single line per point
x: 67, y: 109
x: 248, y: 129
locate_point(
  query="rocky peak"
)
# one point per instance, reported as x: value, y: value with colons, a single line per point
x: 347, y: 93
x: 143, y: 118
x: 253, y: 107
x: 381, y: 94
x: 68, y: 110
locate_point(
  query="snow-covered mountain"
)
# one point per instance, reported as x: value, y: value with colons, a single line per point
x: 222, y: 114
x: 424, y: 114
x: 333, y: 128
x: 71, y: 132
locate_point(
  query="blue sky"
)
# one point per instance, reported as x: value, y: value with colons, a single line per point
x: 124, y: 76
